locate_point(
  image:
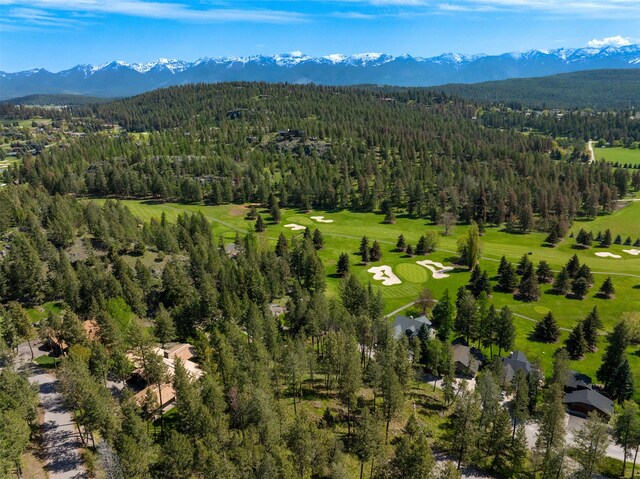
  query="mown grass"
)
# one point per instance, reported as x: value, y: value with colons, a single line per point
x: 344, y: 234
x: 46, y: 361
x: 618, y: 154
x: 39, y: 313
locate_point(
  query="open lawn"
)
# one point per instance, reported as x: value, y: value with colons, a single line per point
x: 344, y: 234
x: 38, y: 313
x: 24, y: 123
x: 618, y: 154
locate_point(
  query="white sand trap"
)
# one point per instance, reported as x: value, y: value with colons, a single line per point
x: 634, y: 252
x: 385, y: 274
x: 295, y: 227
x: 606, y: 254
x: 438, y: 269
x: 320, y: 219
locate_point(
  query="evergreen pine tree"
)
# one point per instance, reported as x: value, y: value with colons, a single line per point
x: 523, y: 264
x: 505, y: 330
x: 343, y: 267
x: 544, y: 273
x: 282, y: 247
x: 590, y: 326
x: 443, y: 315
x: 364, y: 249
x: 614, y: 355
x: 562, y: 282
x: 376, y: 252
x: 507, y: 279
x: 621, y: 387
x: 260, y: 225
x: 528, y: 290
x: 576, y: 343
x: 318, y: 240
x: 572, y: 267
x: 607, y: 290
x: 579, y: 288
x: 547, y: 329
x: 401, y: 245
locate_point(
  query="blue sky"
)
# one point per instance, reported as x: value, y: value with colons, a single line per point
x: 58, y: 34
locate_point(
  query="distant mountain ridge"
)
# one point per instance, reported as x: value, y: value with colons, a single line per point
x: 117, y: 78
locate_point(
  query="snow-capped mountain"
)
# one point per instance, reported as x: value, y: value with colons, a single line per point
x: 117, y: 78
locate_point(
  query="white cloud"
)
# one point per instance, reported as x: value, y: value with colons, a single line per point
x: 617, y: 41
x: 622, y: 9
x: 159, y: 10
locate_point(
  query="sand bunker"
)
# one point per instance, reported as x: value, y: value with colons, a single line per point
x: 320, y: 219
x: 295, y: 227
x: 438, y: 269
x: 606, y: 254
x: 634, y: 252
x: 385, y: 274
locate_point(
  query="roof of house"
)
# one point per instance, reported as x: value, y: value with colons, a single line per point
x: 590, y: 398
x: 91, y: 329
x: 466, y: 356
x: 578, y: 380
x: 402, y: 324
x: 517, y: 361
x: 183, y: 351
x: 168, y: 394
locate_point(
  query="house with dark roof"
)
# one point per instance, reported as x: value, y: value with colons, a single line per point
x: 577, y: 381
x: 583, y: 401
x: 517, y: 361
x: 466, y: 360
x: 409, y: 325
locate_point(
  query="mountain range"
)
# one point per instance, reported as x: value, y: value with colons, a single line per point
x: 120, y: 79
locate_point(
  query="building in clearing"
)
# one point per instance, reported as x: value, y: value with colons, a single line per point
x: 165, y: 397
x: 409, y: 325
x: 466, y: 360
x: 584, y: 401
x: 517, y: 361
x: 577, y: 381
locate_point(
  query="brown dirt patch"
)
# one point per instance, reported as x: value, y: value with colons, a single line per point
x: 238, y: 210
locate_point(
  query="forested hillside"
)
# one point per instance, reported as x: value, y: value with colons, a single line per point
x: 56, y: 100
x: 597, y: 89
x: 327, y: 147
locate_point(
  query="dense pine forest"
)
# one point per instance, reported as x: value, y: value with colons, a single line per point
x: 596, y: 89
x: 288, y: 381
x: 332, y: 148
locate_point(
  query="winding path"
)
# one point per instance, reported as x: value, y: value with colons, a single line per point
x: 60, y: 437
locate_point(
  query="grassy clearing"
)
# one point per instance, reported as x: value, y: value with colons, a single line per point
x: 46, y: 361
x: 39, y: 313
x: 25, y: 123
x: 625, y: 222
x: 344, y: 234
x: 618, y: 154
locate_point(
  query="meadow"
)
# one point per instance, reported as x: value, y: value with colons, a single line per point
x: 618, y: 155
x: 346, y: 230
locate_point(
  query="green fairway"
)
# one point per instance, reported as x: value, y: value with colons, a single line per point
x: 625, y: 222
x: 344, y: 234
x: 618, y: 155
